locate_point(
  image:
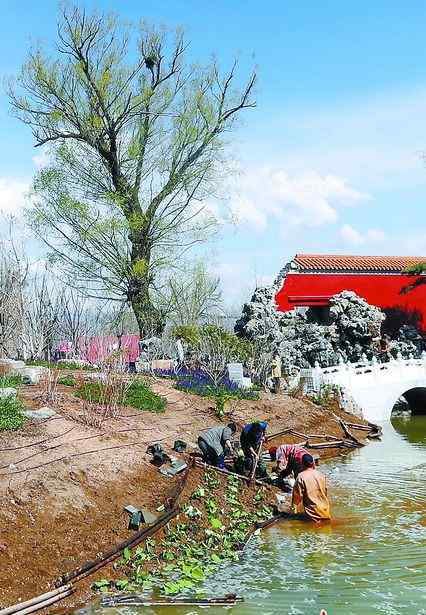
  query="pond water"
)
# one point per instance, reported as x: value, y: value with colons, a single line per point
x: 370, y: 559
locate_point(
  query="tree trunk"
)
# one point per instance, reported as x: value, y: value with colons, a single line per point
x: 147, y: 316
x: 149, y: 319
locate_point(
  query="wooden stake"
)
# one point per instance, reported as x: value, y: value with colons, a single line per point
x: 256, y: 460
x: 140, y: 600
x: 349, y: 434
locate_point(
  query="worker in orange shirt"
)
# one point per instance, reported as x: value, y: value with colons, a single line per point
x: 310, y: 494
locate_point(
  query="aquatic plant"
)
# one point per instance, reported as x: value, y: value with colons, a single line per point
x: 210, y: 532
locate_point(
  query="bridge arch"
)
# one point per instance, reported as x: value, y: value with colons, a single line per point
x: 393, y: 393
x: 375, y: 387
x: 416, y: 399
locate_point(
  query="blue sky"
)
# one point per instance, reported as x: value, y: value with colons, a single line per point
x: 331, y: 158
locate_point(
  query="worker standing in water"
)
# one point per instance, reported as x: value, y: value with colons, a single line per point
x: 310, y: 495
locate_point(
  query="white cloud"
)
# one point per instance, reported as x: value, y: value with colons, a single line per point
x: 237, y: 280
x: 272, y: 195
x: 351, y: 235
x: 376, y: 141
x: 246, y: 211
x: 355, y: 238
x: 376, y: 235
x: 12, y: 195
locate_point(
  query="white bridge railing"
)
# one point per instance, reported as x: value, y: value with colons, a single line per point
x: 373, y: 386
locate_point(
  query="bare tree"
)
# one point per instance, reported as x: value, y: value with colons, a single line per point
x: 13, y: 278
x: 40, y: 313
x: 138, y: 142
x: 192, y: 296
x: 80, y: 320
x: 261, y: 362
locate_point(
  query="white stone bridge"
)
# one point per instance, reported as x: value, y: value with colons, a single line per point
x: 376, y: 387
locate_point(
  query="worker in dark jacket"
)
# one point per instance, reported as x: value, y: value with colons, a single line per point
x: 215, y: 442
x: 251, y: 437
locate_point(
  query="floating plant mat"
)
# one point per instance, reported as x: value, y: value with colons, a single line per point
x: 218, y: 516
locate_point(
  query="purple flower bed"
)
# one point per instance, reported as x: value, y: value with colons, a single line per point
x: 200, y: 383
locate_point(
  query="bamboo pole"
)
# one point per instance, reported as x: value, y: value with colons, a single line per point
x: 298, y: 433
x: 114, y: 553
x: 206, y: 466
x: 360, y: 427
x: 323, y: 435
x: 256, y: 460
x: 375, y: 427
x: 46, y: 603
x: 319, y: 445
x: 46, y: 463
x: 137, y: 600
x: 349, y: 434
x: 279, y: 433
x: 272, y: 520
x: 39, y: 602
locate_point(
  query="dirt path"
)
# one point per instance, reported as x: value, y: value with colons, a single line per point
x: 64, y: 485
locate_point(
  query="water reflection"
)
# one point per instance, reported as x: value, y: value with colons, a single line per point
x: 413, y: 428
x: 371, y: 559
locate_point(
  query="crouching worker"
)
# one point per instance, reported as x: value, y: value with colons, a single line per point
x: 251, y: 437
x: 289, y: 461
x: 214, y: 443
x: 310, y: 498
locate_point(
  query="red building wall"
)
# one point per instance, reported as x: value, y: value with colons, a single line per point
x: 382, y: 290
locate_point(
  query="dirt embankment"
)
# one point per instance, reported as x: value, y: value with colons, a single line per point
x: 63, y: 484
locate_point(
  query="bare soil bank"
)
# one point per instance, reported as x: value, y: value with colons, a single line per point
x: 65, y: 506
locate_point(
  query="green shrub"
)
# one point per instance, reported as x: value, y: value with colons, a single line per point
x: 232, y: 345
x: 68, y: 381
x: 91, y: 391
x: 221, y: 401
x: 138, y: 395
x: 11, y: 413
x: 217, y: 392
x: 39, y: 363
x: 325, y: 395
x: 187, y: 333
x: 10, y: 381
x: 73, y: 365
